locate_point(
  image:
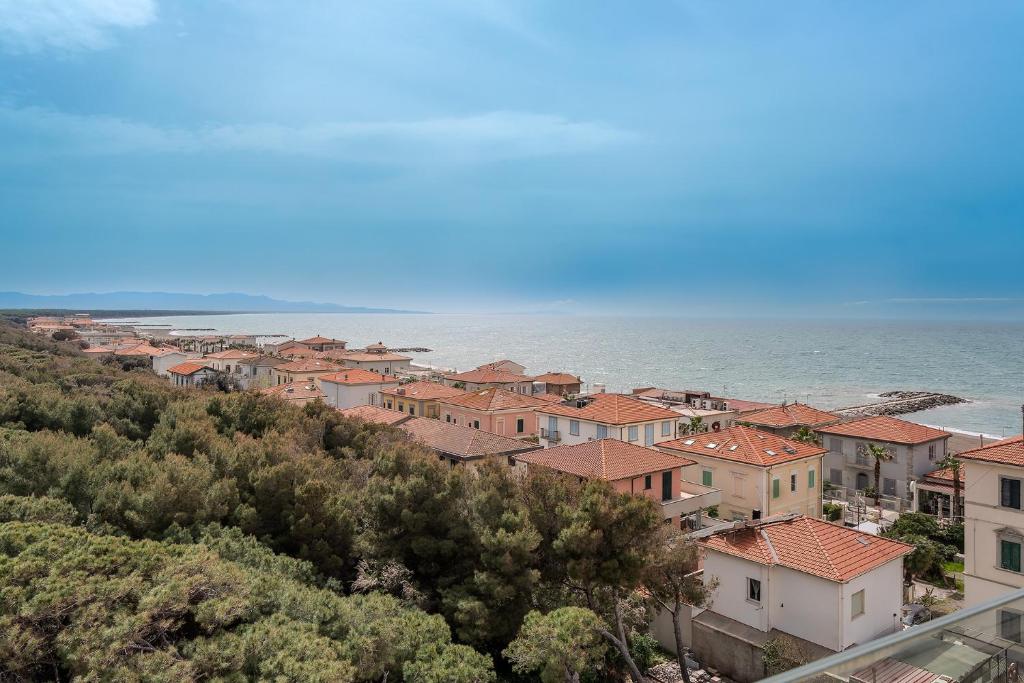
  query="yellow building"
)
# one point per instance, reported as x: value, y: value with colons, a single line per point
x: 307, y: 370
x: 418, y: 398
x: 759, y: 473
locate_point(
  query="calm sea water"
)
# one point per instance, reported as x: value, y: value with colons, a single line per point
x: 828, y: 364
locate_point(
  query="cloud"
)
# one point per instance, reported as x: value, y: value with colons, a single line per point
x: 939, y: 300
x: 28, y: 26
x: 468, y: 139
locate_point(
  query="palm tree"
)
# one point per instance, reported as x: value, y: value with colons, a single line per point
x: 950, y: 462
x: 805, y: 435
x: 696, y: 423
x: 879, y: 453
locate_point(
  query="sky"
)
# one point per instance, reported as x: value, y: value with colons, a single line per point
x: 859, y: 158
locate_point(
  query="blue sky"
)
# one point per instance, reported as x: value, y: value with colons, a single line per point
x: 807, y: 158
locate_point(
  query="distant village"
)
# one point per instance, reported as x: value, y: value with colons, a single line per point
x: 790, y: 503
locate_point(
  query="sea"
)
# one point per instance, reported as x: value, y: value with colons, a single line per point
x: 829, y: 364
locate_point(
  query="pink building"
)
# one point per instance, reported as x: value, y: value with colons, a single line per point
x: 630, y: 469
x: 498, y: 411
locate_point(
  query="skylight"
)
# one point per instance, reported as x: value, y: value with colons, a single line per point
x: 689, y: 442
x: 769, y: 451
x: 711, y: 445
x: 734, y: 447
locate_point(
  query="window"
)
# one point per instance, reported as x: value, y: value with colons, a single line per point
x: 810, y: 479
x: 634, y: 433
x: 511, y: 461
x: 574, y: 427
x: 835, y: 476
x: 737, y: 486
x: 412, y: 409
x: 1009, y: 555
x: 835, y: 445
x: 888, y: 486
x: 390, y: 404
x: 447, y: 417
x: 792, y: 483
x: 931, y: 451
x: 647, y: 482
x: 1010, y: 625
x: 666, y: 428
x: 775, y: 487
x: 1009, y: 493
x: 476, y: 424
x: 520, y: 426
x: 753, y: 590
x: 705, y: 477
x: 602, y: 431
x: 857, y: 604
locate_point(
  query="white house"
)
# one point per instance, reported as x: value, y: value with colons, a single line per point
x: 993, y: 520
x: 824, y: 586
x: 257, y: 372
x: 355, y: 387
x: 915, y: 450
x: 190, y: 374
x: 228, y: 361
x: 605, y: 416
x: 167, y: 359
x: 376, y: 358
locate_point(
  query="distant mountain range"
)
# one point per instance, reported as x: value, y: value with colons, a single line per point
x: 233, y: 302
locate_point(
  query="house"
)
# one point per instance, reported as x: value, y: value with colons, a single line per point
x: 560, y: 383
x: 498, y: 411
x: 602, y: 416
x: 228, y: 361
x: 282, y: 348
x: 190, y: 373
x: 823, y: 586
x: 258, y: 371
x: 631, y: 469
x: 351, y: 387
x: 487, y: 378
x: 993, y: 521
x: 914, y: 450
x: 319, y: 343
x: 376, y: 358
x: 505, y: 365
x: 300, y: 393
x: 418, y: 398
x: 166, y: 359
x: 376, y: 414
x: 789, y: 418
x: 691, y: 403
x: 303, y: 370
x: 461, y: 445
x: 759, y: 473
x: 933, y: 493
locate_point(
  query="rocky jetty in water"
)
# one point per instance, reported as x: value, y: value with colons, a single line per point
x: 901, y: 403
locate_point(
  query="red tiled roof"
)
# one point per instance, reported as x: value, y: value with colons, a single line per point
x: 423, y: 391
x: 486, y: 375
x: 97, y: 349
x: 375, y: 414
x: 309, y: 365
x: 231, y: 354
x: 495, y: 399
x: 188, y: 368
x: 790, y: 415
x: 363, y: 357
x: 358, y: 376
x: 945, y: 474
x: 740, y: 405
x: 611, y: 409
x: 808, y: 545
x: 744, y: 445
x: 886, y: 428
x: 608, y: 459
x: 549, y: 398
x: 1006, y: 452
x: 557, y: 378
x: 138, y: 350
x: 294, y: 391
x: 462, y: 442
x: 320, y: 340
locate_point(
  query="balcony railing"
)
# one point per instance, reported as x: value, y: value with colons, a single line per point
x: 980, y: 643
x: 692, y: 497
x: 550, y: 434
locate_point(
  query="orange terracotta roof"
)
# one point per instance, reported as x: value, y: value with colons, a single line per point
x: 608, y: 459
x: 945, y: 474
x: 886, y: 428
x: 320, y: 340
x: 557, y: 378
x: 424, y: 391
x: 188, y: 368
x: 486, y: 375
x: 358, y: 376
x: 613, y: 409
x: 138, y: 350
x: 361, y: 356
x: 740, y: 405
x: 790, y: 415
x: 1006, y: 452
x: 309, y: 365
x: 494, y: 399
x: 97, y: 349
x: 808, y: 545
x: 462, y: 442
x: 294, y: 391
x: 550, y: 398
x: 376, y: 414
x: 231, y: 354
x: 744, y: 445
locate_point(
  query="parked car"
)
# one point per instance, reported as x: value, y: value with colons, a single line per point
x: 914, y: 614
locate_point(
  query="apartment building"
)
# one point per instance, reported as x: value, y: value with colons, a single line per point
x: 604, y: 416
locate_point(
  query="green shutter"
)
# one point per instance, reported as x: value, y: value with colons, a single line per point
x: 706, y: 478
x: 810, y: 479
x: 1009, y: 555
x: 775, y: 488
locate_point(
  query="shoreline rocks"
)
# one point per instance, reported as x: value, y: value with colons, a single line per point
x: 900, y: 403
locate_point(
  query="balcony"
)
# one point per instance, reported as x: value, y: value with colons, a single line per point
x: 980, y: 643
x: 552, y: 435
x: 692, y: 497
x: 860, y: 461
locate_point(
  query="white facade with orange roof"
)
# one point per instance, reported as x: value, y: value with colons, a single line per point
x: 351, y: 387
x: 605, y: 416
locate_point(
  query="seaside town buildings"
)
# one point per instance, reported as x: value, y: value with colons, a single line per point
x: 257, y: 371
x: 351, y: 387
x: 294, y: 392
x: 303, y: 370
x: 190, y: 374
x: 460, y: 445
x: 789, y: 418
x: 759, y: 473
x: 557, y: 383
x: 418, y: 398
x: 913, y: 451
x: 376, y: 358
x: 494, y: 410
x: 486, y: 377
x: 603, y: 416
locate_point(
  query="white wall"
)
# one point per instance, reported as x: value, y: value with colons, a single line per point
x: 588, y: 431
x: 883, y: 597
x: 162, y: 363
x: 351, y: 395
x: 730, y: 597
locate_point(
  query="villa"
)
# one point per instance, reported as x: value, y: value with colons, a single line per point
x: 602, y: 416
x: 498, y: 411
x: 319, y: 343
x: 228, y: 361
x: 300, y: 393
x: 789, y: 418
x: 258, y: 371
x: 559, y: 383
x: 488, y: 378
x: 376, y: 358
x: 351, y: 387
x: 303, y: 370
x: 418, y: 398
x: 465, y: 446
x: 190, y: 374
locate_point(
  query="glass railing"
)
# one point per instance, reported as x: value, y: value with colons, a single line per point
x: 976, y: 644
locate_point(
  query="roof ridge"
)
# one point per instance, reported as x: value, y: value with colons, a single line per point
x: 817, y: 541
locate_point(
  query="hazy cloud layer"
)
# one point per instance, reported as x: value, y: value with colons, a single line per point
x: 34, y: 25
